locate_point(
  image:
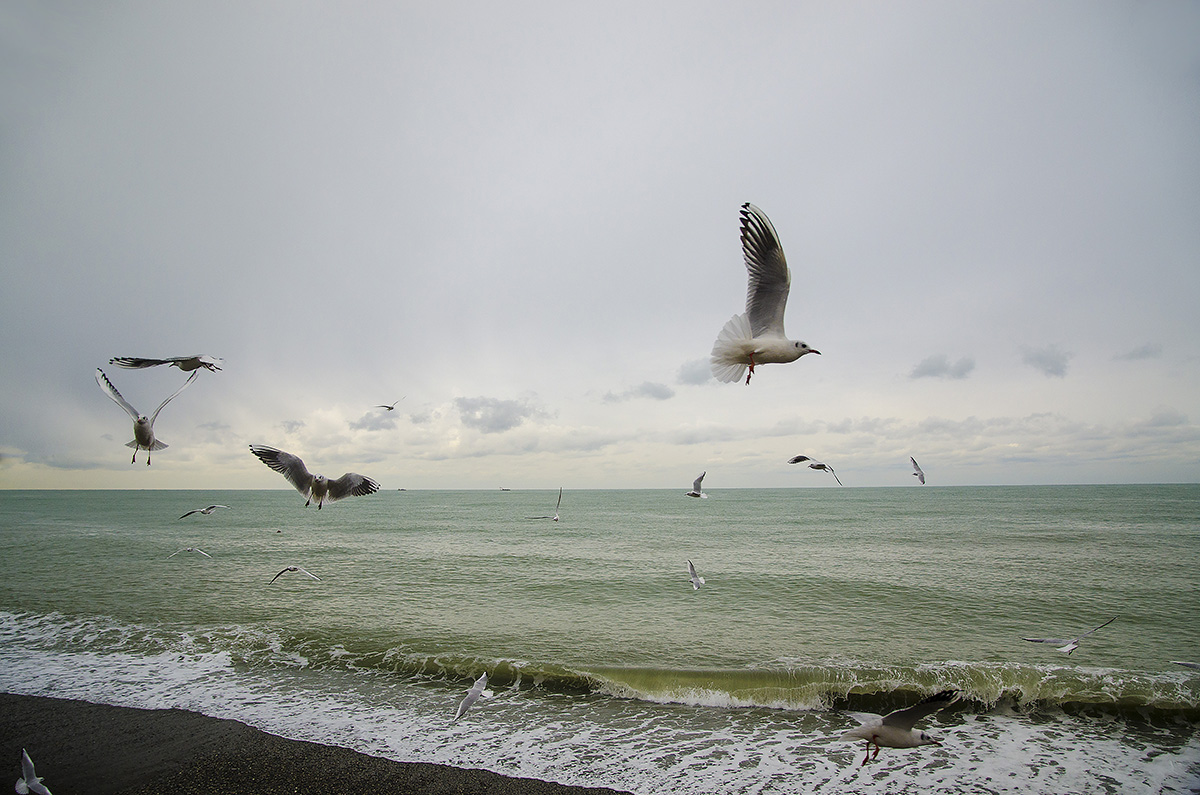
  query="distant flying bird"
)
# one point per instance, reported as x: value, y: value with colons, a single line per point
x: 185, y: 363
x: 895, y: 730
x: 28, y: 782
x: 815, y: 465
x: 391, y: 407
x: 1069, y: 645
x: 294, y: 568
x: 205, y: 511
x: 556, y: 505
x: 695, y: 578
x: 190, y: 549
x: 473, y: 695
x: 695, y: 492
x: 143, y: 428
x: 314, y: 487
x: 918, y: 473
x: 756, y: 336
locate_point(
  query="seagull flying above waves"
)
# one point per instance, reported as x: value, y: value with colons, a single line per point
x: 300, y: 569
x: 314, y: 487
x: 143, y: 427
x: 895, y: 729
x: 185, y: 363
x: 556, y: 505
x: 696, y: 492
x: 190, y: 549
x: 205, y: 511
x: 695, y: 578
x: 1069, y: 645
x: 756, y: 336
x: 28, y: 782
x: 918, y: 473
x: 391, y: 407
x: 477, y: 690
x: 815, y: 465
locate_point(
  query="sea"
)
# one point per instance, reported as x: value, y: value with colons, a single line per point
x: 606, y: 667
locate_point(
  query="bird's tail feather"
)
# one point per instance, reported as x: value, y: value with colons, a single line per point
x: 726, y: 362
x: 156, y: 446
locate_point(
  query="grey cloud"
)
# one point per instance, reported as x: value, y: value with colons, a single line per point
x: 646, y: 389
x: 492, y: 415
x: 939, y: 366
x: 1050, y: 360
x: 695, y: 372
x: 291, y: 426
x: 374, y: 421
x: 1151, y: 350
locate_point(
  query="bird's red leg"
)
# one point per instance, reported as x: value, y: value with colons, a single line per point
x: 134, y: 459
x: 751, y: 369
x: 877, y: 747
x: 867, y: 758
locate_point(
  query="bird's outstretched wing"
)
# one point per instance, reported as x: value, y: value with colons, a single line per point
x: 769, y: 277
x: 351, y: 484
x: 696, y: 483
x: 920, y: 473
x: 835, y: 477
x: 798, y: 459
x: 112, y: 392
x: 557, y: 504
x: 183, y: 362
x: 908, y: 717
x: 288, y: 465
x: 189, y: 380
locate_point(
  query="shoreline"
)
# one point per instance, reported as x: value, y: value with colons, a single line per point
x: 83, y: 748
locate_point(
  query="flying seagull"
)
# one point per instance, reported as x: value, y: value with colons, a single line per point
x: 695, y: 492
x: 185, y: 363
x: 756, y: 336
x: 473, y: 695
x: 895, y: 729
x: 28, y: 782
x: 205, y: 511
x: 555, y: 516
x: 143, y: 428
x: 314, y: 487
x: 294, y: 568
x: 190, y: 549
x: 391, y: 407
x: 918, y: 473
x: 695, y: 578
x: 815, y: 465
x: 1071, y: 645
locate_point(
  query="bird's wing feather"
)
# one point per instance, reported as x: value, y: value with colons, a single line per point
x: 1090, y: 631
x: 696, y: 483
x: 907, y: 718
x: 136, y: 363
x: 557, y: 504
x: 186, y: 383
x: 769, y: 277
x: 351, y: 484
x: 1055, y: 641
x: 798, y: 459
x: 112, y: 392
x: 288, y: 465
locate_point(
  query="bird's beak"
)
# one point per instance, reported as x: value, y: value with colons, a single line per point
x: 814, y: 350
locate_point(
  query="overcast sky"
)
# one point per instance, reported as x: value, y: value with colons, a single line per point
x: 522, y: 218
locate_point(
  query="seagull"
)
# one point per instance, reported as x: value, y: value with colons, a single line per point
x: 391, y: 407
x: 695, y: 492
x: 314, y: 487
x: 696, y: 579
x: 294, y: 568
x: 143, y: 429
x: 918, y: 473
x: 473, y: 695
x: 28, y: 782
x: 185, y: 363
x: 190, y: 549
x: 205, y: 511
x: 1186, y: 664
x: 1071, y: 645
x: 816, y: 465
x: 895, y: 729
x: 756, y: 336
x: 555, y: 516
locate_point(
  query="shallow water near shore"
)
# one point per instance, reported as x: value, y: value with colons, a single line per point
x: 607, y: 668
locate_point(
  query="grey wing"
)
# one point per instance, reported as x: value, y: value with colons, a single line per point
x: 769, y: 277
x: 798, y: 459
x: 835, y: 477
x: 907, y: 718
x: 696, y: 483
x: 351, y: 484
x: 288, y: 465
x: 557, y: 504
x: 189, y: 513
x: 136, y: 363
x: 112, y: 392
x: 190, y: 379
x: 1055, y: 641
x: 1090, y: 631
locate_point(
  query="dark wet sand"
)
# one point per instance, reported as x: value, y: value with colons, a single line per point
x: 80, y: 748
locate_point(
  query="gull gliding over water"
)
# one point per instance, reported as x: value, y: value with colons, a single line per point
x: 205, y: 511
x: 756, y: 336
x: 300, y: 569
x: 190, y: 549
x: 696, y: 492
x: 695, y: 578
x: 1069, y: 645
x: 918, y: 473
x: 477, y: 690
x: 143, y: 427
x: 556, y: 505
x: 185, y: 363
x: 29, y: 782
x: 815, y: 465
x: 314, y: 487
x: 895, y: 729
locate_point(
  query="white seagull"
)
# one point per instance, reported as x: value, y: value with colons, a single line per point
x: 314, y: 487
x: 391, y: 407
x: 185, y: 363
x: 143, y: 428
x: 695, y: 578
x: 895, y: 729
x: 473, y: 695
x: 918, y: 473
x: 756, y: 336
x: 28, y: 782
x: 695, y: 492
x: 205, y: 511
x: 556, y: 505
x: 190, y: 549
x: 294, y: 568
x: 815, y: 465
x: 1069, y: 645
